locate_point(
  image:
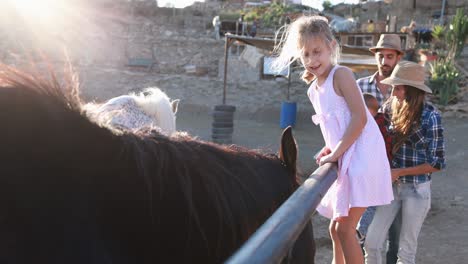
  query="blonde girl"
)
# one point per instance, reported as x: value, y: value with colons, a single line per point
x: 351, y: 136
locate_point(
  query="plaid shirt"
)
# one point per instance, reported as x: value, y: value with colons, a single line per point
x: 424, y: 145
x: 369, y: 85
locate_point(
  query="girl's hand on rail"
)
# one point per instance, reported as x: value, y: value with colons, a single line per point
x: 328, y: 158
x: 324, y: 152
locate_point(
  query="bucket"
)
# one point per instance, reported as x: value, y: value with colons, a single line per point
x: 288, y: 114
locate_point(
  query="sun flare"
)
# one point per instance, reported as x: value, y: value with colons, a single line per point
x: 38, y: 11
x: 46, y: 26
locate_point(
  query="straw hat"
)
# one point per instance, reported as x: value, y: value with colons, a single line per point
x: 408, y: 73
x: 388, y: 41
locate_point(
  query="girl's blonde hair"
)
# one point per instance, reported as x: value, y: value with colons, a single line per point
x: 406, y: 114
x: 294, y: 37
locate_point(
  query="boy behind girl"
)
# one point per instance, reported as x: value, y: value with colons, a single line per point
x: 383, y: 121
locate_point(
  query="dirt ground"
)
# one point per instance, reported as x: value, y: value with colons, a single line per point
x: 444, y: 236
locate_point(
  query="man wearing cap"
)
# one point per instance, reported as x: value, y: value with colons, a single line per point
x: 419, y: 150
x: 387, y: 54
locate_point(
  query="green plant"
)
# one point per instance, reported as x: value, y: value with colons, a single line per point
x: 449, y: 42
x: 443, y: 81
x: 252, y: 15
x: 457, y: 33
x: 271, y: 15
x: 438, y: 32
x: 229, y: 16
x: 438, y: 43
x: 327, y: 5
x: 422, y: 46
x: 442, y: 53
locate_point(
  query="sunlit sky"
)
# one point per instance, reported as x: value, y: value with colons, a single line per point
x: 177, y: 3
x: 41, y: 13
x: 318, y: 3
x: 312, y: 3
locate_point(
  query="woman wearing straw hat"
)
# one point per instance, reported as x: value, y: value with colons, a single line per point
x: 387, y: 53
x: 418, y: 152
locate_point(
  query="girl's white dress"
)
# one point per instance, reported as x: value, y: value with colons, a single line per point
x: 364, y: 177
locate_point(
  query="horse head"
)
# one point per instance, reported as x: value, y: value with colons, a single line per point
x: 303, y: 250
x: 288, y: 150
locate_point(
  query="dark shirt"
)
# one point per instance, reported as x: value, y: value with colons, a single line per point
x: 383, y: 121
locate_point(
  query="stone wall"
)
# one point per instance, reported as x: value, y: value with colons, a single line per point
x: 422, y: 14
x: 403, y: 10
x: 189, y: 62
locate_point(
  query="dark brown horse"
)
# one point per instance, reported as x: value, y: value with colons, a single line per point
x: 72, y: 191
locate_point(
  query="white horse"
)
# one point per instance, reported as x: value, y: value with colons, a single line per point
x: 152, y: 107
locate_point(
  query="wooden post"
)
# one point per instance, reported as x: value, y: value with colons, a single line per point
x: 227, y: 44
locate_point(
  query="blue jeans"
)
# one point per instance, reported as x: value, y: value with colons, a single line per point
x: 414, y: 200
x: 366, y: 219
x: 393, y: 232
x: 394, y: 239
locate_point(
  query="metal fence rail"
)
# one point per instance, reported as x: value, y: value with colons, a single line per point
x: 272, y: 241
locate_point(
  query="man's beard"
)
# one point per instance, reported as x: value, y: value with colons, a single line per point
x: 386, y: 72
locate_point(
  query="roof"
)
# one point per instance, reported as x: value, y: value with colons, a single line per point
x: 356, y: 58
x: 261, y: 43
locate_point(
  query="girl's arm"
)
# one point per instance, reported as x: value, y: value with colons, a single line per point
x: 345, y: 86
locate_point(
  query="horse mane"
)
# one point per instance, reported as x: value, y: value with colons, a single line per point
x: 224, y: 180
x: 142, y: 182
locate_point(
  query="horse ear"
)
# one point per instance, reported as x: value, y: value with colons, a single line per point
x: 288, y: 149
x: 175, y: 105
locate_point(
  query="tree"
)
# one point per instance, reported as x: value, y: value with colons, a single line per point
x: 327, y: 5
